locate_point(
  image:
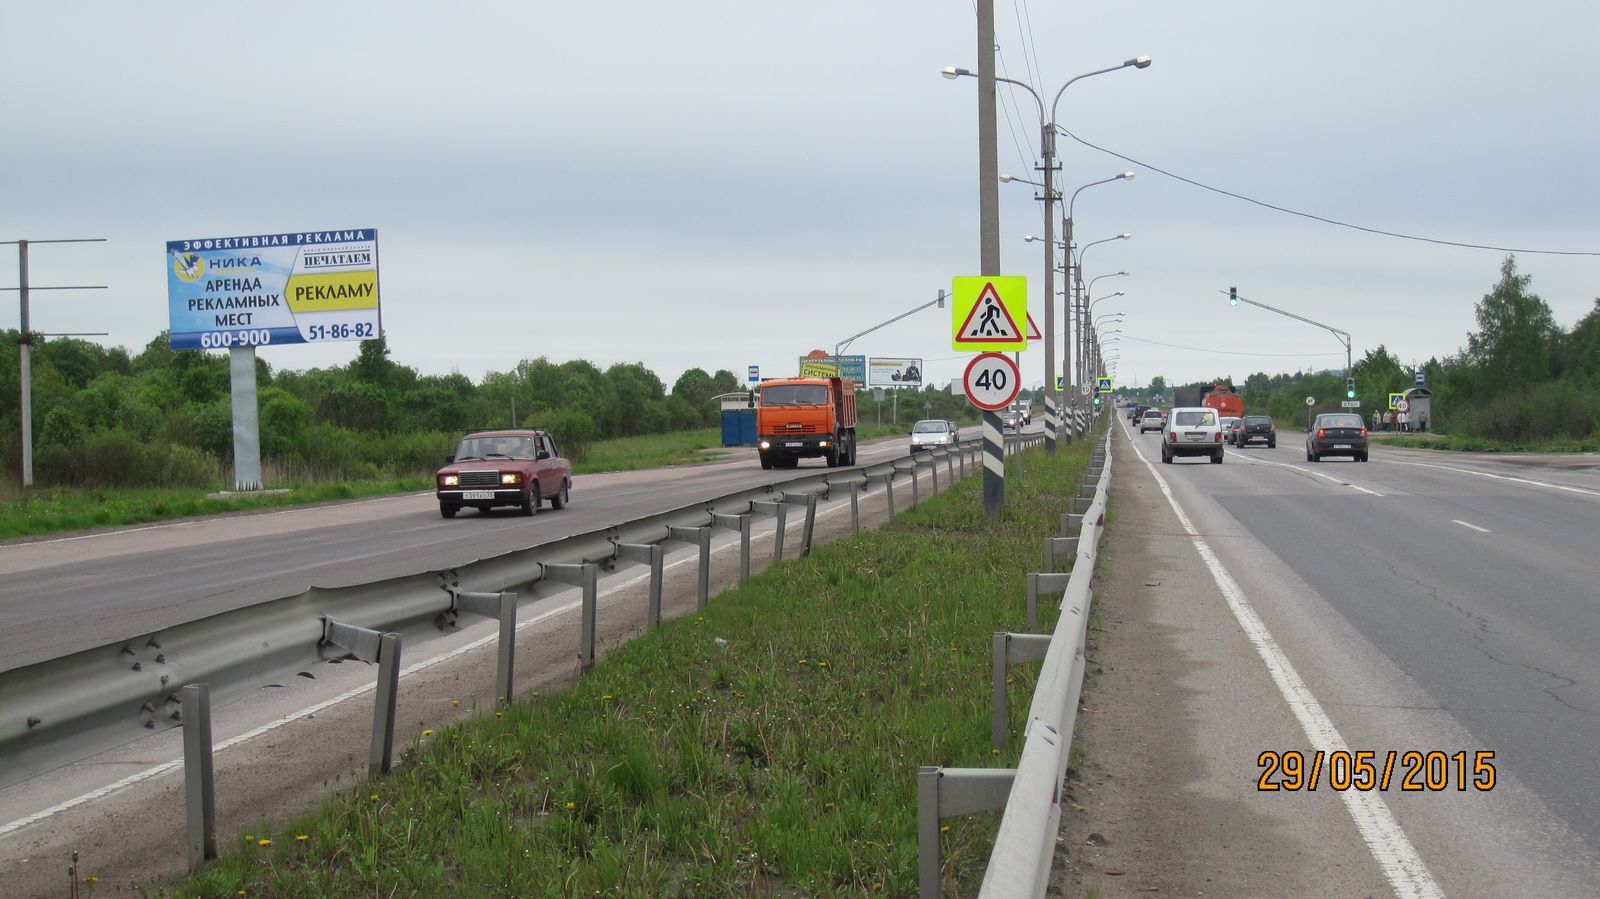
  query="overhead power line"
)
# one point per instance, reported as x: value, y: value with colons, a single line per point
x: 1228, y: 193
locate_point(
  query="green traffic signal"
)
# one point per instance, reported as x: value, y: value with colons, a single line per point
x: 1233, y: 296
x: 1350, y: 388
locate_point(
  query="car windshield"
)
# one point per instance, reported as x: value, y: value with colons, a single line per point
x: 794, y: 395
x: 1257, y: 420
x: 1194, y: 418
x: 930, y: 427
x: 1340, y: 421
x: 510, y: 446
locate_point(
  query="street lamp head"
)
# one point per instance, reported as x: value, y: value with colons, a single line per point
x: 953, y: 73
x: 1127, y: 236
x: 1006, y: 179
x: 1139, y: 62
x: 1126, y: 176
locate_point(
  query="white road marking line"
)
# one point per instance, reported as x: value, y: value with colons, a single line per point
x: 1500, y: 477
x: 1473, y: 526
x: 163, y: 768
x: 189, y: 522
x: 1385, y: 839
x: 1319, y: 474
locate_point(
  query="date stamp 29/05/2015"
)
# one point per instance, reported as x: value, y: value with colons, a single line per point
x: 1411, y: 771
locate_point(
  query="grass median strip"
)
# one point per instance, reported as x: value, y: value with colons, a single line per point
x: 768, y: 745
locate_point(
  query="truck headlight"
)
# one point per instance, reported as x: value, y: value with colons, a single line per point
x: 765, y: 445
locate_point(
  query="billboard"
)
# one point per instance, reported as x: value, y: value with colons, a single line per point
x: 891, y: 371
x: 852, y: 367
x: 296, y: 287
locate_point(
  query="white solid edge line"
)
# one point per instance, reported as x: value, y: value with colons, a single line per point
x: 1499, y: 477
x: 164, y: 767
x: 1473, y: 526
x: 1385, y: 839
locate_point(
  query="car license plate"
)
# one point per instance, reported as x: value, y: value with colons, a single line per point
x: 1194, y: 436
x: 477, y: 494
x: 794, y: 444
x: 1341, y: 446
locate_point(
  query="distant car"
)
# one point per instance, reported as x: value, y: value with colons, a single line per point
x: 1151, y: 420
x: 513, y: 467
x: 1192, y: 431
x: 1010, y: 419
x: 1230, y: 426
x: 932, y: 432
x: 1337, y: 434
x: 1135, y: 410
x: 1257, y: 427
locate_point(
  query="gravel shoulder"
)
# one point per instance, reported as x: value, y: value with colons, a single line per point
x: 1161, y: 797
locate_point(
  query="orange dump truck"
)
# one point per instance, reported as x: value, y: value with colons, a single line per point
x: 800, y: 418
x: 1227, y: 403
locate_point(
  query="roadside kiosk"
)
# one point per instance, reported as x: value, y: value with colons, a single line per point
x: 1419, y: 403
x: 738, y: 417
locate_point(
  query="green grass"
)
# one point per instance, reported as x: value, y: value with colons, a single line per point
x: 49, y: 510
x: 782, y: 762
x: 653, y: 451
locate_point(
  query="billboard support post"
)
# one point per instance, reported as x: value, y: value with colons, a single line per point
x: 246, y: 423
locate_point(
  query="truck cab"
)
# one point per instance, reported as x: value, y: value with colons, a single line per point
x: 799, y: 418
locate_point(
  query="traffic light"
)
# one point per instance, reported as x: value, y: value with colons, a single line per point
x: 1097, y: 401
x: 1350, y: 387
x: 1233, y: 296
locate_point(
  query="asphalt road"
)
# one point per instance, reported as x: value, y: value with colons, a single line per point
x: 65, y: 594
x: 1435, y: 602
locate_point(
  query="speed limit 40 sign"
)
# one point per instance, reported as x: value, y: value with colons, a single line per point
x: 992, y: 381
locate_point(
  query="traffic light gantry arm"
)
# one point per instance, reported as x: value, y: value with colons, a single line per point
x: 1344, y: 336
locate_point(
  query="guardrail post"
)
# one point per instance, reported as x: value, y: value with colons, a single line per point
x: 701, y: 537
x: 961, y: 456
x: 855, y: 507
x: 949, y: 468
x: 585, y: 575
x: 809, y: 500
x: 652, y: 554
x: 502, y: 606
x: 198, y: 797
x: 369, y: 646
x: 777, y: 510
x: 1043, y: 582
x: 740, y: 523
x: 888, y: 488
x: 1058, y: 548
x: 381, y: 759
x: 915, y: 499
x: 944, y: 793
x: 1081, y: 504
x: 1071, y: 524
x: 1010, y: 649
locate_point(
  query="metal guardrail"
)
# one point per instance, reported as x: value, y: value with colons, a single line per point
x: 1030, y: 794
x: 66, y: 709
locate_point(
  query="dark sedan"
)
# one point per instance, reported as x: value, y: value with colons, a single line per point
x: 1337, y: 434
x: 1257, y: 427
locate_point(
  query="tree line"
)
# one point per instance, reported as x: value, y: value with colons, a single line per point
x: 103, y: 416
x: 1520, y: 379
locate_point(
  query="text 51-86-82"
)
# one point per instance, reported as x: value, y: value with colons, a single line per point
x: 341, y: 331
x: 1433, y: 771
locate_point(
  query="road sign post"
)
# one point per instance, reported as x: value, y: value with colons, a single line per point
x: 988, y: 315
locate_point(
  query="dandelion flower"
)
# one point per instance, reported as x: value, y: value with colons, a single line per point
x: 373, y: 797
x: 571, y: 806
x: 301, y: 838
x: 91, y: 880
x: 944, y: 828
x: 535, y: 694
x: 606, y: 697
x: 427, y: 732
x: 249, y: 837
x: 263, y: 842
x: 455, y: 703
x: 499, y: 714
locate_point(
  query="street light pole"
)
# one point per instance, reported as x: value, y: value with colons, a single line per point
x: 1082, y: 298
x: 1047, y: 151
x: 994, y: 471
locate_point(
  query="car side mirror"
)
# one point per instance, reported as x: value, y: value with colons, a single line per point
x: 542, y: 454
x: 448, y: 460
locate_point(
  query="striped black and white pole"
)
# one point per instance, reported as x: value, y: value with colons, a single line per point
x: 1051, y: 423
x: 994, y: 464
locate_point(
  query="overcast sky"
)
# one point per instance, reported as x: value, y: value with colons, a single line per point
x: 719, y: 184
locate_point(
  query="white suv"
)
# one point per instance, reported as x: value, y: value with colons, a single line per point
x: 1192, y: 431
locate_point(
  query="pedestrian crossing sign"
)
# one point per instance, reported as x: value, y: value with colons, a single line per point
x: 985, y: 313
x: 1102, y: 385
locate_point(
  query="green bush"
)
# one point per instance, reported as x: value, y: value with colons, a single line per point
x: 573, y: 430
x: 186, y: 466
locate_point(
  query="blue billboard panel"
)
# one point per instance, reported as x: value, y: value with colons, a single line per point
x: 296, y: 287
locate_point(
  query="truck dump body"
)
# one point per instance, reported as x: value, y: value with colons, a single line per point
x: 799, y: 418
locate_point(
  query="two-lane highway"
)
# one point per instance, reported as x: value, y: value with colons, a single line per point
x: 65, y: 594
x: 1435, y: 603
